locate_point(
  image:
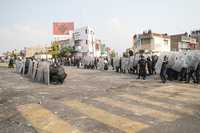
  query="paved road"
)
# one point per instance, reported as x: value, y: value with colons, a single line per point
x: 97, y: 102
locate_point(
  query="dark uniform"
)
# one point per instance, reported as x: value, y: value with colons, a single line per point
x: 154, y: 61
x: 149, y: 66
x: 198, y: 74
x: 78, y: 61
x: 112, y: 63
x: 183, y: 74
x: 118, y: 69
x: 164, y: 70
x: 95, y: 63
x: 57, y: 74
x: 190, y: 74
x: 142, y: 68
x: 105, y: 64
x: 11, y: 63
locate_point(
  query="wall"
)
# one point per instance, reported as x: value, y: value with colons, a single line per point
x: 29, y: 52
x: 161, y: 44
x: 174, y: 42
x: 152, y: 42
x: 182, y: 42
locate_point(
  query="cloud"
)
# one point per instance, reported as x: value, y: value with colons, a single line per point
x: 19, y: 36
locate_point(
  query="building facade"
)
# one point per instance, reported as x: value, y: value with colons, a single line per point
x: 66, y: 43
x: 42, y: 56
x: 182, y: 42
x: 153, y: 42
x: 82, y: 40
x: 196, y: 34
x: 85, y: 41
x: 31, y: 51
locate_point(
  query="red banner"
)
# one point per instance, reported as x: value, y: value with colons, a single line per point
x: 62, y: 28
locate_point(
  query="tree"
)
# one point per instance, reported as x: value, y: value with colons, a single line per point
x: 55, y: 50
x: 113, y: 54
x: 103, y: 50
x: 67, y: 51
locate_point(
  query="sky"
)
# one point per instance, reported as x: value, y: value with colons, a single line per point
x: 25, y: 23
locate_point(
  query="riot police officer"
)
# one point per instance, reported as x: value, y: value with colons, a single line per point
x: 142, y: 68
x: 190, y: 74
x: 164, y: 70
x: 120, y: 65
x: 11, y: 63
x: 183, y: 74
x: 154, y: 61
x: 149, y: 66
x: 197, y: 73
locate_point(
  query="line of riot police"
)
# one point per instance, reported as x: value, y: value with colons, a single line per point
x: 140, y: 64
x: 41, y: 70
x: 179, y: 66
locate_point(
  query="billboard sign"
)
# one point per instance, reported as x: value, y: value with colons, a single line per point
x: 62, y: 28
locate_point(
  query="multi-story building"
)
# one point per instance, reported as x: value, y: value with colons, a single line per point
x: 153, y: 42
x: 31, y: 51
x: 85, y: 41
x: 182, y: 42
x: 196, y: 34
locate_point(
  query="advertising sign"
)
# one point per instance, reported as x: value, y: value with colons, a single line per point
x: 62, y: 28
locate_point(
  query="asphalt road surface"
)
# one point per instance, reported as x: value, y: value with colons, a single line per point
x: 93, y: 101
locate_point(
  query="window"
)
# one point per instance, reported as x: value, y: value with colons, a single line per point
x: 145, y: 41
x: 86, y: 31
x: 165, y: 42
x: 86, y: 41
x: 91, y: 32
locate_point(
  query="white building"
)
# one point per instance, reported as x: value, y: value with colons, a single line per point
x: 43, y: 56
x: 31, y: 51
x: 63, y: 37
x: 85, y: 41
x: 154, y: 42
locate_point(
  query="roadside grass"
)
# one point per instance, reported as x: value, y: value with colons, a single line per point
x: 3, y: 64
